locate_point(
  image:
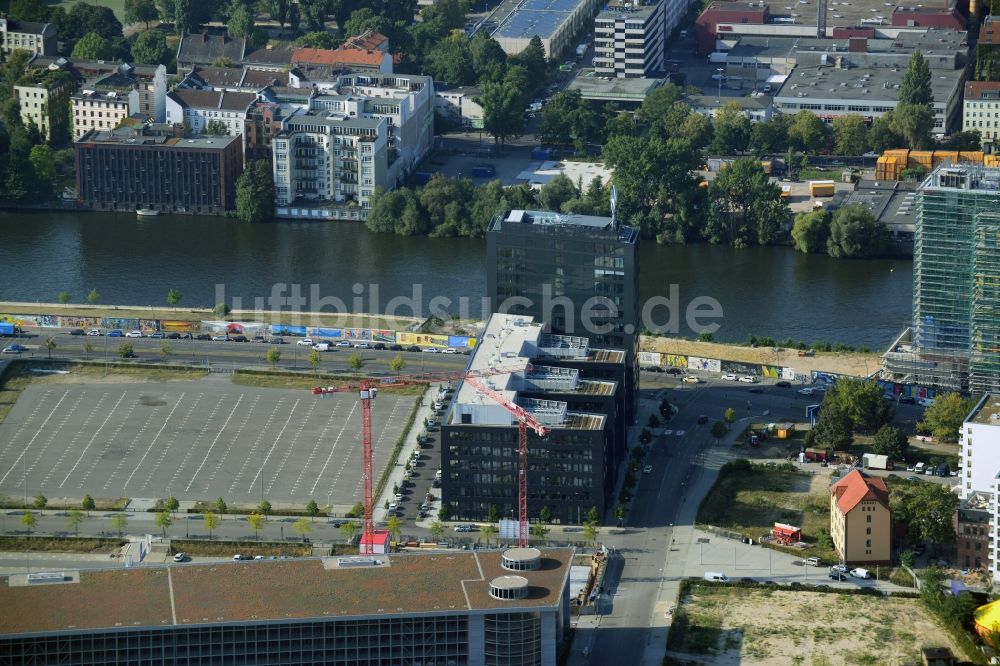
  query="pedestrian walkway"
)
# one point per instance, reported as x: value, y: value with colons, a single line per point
x: 425, y: 410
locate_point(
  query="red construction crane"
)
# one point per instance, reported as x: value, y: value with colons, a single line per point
x: 367, y: 389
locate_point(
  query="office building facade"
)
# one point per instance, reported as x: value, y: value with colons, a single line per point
x: 149, y: 167
x: 579, y: 274
x: 485, y: 608
x: 629, y: 39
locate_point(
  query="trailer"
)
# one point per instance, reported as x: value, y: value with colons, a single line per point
x: 822, y: 188
x: 875, y: 461
x: 786, y: 534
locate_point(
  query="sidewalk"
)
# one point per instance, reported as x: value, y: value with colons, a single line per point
x: 425, y: 410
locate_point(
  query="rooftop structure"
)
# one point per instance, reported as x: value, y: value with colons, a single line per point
x: 629, y: 39
x: 344, y: 58
x: 514, y: 22
x: 207, y: 48
x: 330, y: 610
x: 596, y: 87
x: 233, y: 79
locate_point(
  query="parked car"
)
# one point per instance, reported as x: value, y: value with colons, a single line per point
x: 378, y: 345
x: 277, y: 341
x: 647, y: 469
x: 305, y: 342
x: 220, y: 338
x: 203, y: 336
x: 362, y: 345
x: 703, y: 419
x: 14, y: 349
x: 783, y: 384
x: 674, y: 371
x: 748, y: 379
x: 259, y: 338
x: 180, y: 557
x: 860, y: 573
x: 430, y: 350
x: 395, y: 347
x: 653, y: 368
x: 729, y: 377
x: 838, y: 576
x: 813, y: 561
x: 134, y: 334
x: 690, y: 379
x: 806, y: 391
x: 157, y: 335
x: 177, y: 336
x: 925, y: 402
x: 839, y: 568
x: 907, y: 400
x: 77, y: 331
x: 238, y: 338
x: 413, y: 348
x: 463, y: 528
x: 342, y: 343
x: 449, y: 350
x: 322, y: 346
x: 94, y: 331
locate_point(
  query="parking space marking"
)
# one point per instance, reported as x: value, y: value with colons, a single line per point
x: 72, y: 443
x: 212, y: 445
x: 94, y: 437
x: 315, y: 449
x: 66, y: 416
x: 236, y: 438
x: 277, y: 439
x: 38, y: 431
x: 165, y: 449
x: 27, y: 422
x: 152, y: 442
x: 343, y: 427
x: 107, y: 445
x: 209, y: 420
x: 291, y: 445
x: 249, y: 455
x: 133, y: 443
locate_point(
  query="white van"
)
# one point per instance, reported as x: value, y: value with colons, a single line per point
x: 716, y: 577
x: 322, y: 346
x: 919, y: 468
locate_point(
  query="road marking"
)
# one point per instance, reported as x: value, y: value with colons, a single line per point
x: 291, y: 445
x: 236, y: 437
x: 165, y: 449
x: 130, y: 448
x: 260, y: 435
x: 72, y: 443
x: 107, y: 444
x: 322, y: 471
x: 155, y: 437
x: 38, y: 431
x: 201, y: 433
x: 27, y: 421
x: 212, y: 446
x: 55, y: 433
x: 315, y: 449
x: 277, y: 439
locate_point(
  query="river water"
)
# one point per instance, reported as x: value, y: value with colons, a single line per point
x: 761, y: 290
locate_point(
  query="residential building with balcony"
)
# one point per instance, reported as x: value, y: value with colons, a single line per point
x: 37, y: 38
x: 629, y: 39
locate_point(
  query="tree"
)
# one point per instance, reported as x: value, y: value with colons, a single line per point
x: 273, y: 355
x: 850, y: 135
x: 74, y: 519
x: 349, y: 530
x: 811, y: 231
x: 731, y: 130
x: 312, y: 509
x: 503, y: 110
x: 356, y: 362
x: 656, y: 105
x: 970, y: 140
x: 444, y: 513
x: 29, y: 520
x: 221, y: 310
x: 593, y: 515
x: 729, y: 416
x: 256, y: 521
x: 126, y: 350
x: 211, y: 521
x: 174, y: 297
x: 620, y: 513
x: 861, y: 401
x: 396, y: 363
x: 220, y: 506
x: 29, y: 10
x: 915, y: 88
x: 538, y: 530
x: 493, y: 515
x: 171, y: 504
x: 302, y: 527
x: 216, y: 128
x: 63, y: 297
x: 93, y: 297
x: 770, y: 137
x: 556, y: 192
x: 395, y: 527
x: 855, y: 233
x: 119, y: 523
x: 319, y: 40
x: 532, y: 58
x: 88, y: 504
x: 264, y: 507
x: 489, y: 61
x: 40, y: 501
x: 890, y: 442
x: 277, y: 10
x: 645, y: 436
x: 356, y: 511
x: 745, y: 206
x: 163, y: 521
x: 882, y: 136
x: 48, y: 345
x: 545, y: 514
x: 255, y: 192
x: 92, y: 47
x: 833, y: 430
x: 590, y: 532
x: 719, y: 430
x: 166, y: 349
x: 653, y: 421
x: 313, y: 359
x: 913, y: 123
x: 451, y: 62
x: 943, y: 419
x: 487, y: 532
x: 141, y: 11
x: 927, y: 509
x: 437, y: 530
x: 43, y: 162
x: 807, y: 132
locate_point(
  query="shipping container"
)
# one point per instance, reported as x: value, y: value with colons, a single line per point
x: 7, y: 328
x: 945, y: 155
x: 971, y: 157
x: 920, y: 158
x: 822, y: 188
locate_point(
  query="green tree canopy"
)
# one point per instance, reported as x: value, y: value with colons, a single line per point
x: 451, y: 61
x: 556, y: 192
x: 656, y: 104
x: 255, y: 192
x: 318, y: 40
x: 141, y: 11
x: 532, y: 58
x: 746, y: 207
x: 859, y: 402
x: 944, y: 418
x: 29, y: 10
x: 503, y: 110
x: 927, y: 509
x: 150, y: 47
x: 882, y: 135
x: 770, y: 137
x: 915, y: 88
x: 731, y: 130
x: 850, y: 135
x: 890, y: 441
x: 855, y: 233
x: 811, y: 231
x: 807, y: 132
x: 92, y: 47
x: 913, y: 123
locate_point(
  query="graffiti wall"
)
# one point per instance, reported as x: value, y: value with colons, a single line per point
x: 649, y: 358
x: 706, y: 364
x: 421, y: 339
x: 333, y: 333
x: 383, y: 335
x: 675, y: 361
x: 461, y: 342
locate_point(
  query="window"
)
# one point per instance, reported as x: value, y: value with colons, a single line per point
x: 868, y: 530
x: 868, y: 519
x: 868, y: 543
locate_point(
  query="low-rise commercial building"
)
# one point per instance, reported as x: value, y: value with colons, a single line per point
x: 860, y: 519
x: 37, y: 38
x: 570, y: 470
x: 459, y: 105
x: 629, y: 39
x: 150, y: 167
x: 981, y: 110
x: 479, y: 608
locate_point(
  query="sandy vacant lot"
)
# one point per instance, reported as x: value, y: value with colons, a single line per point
x: 729, y: 625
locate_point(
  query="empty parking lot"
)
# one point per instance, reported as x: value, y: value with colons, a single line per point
x: 194, y: 440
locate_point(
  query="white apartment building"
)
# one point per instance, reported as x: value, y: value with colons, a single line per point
x: 331, y: 153
x: 980, y: 447
x: 981, y: 109
x: 629, y: 39
x: 198, y: 108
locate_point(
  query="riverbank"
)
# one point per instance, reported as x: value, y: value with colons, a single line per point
x: 289, y: 318
x: 861, y: 364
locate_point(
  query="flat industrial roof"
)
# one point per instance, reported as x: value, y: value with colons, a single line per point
x: 596, y: 87
x: 986, y: 410
x: 860, y: 83
x: 259, y: 591
x: 527, y: 18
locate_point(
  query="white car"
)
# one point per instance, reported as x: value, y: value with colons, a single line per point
x: 729, y: 378
x: 748, y: 379
x: 305, y: 342
x: 690, y: 379
x: 180, y: 557
x: 343, y: 343
x: 362, y: 345
x: 321, y: 346
x: 220, y: 338
x: 449, y: 350
x: 463, y: 528
x: 859, y: 573
x: 679, y: 433
x: 925, y: 402
x: 94, y: 332
x: 134, y: 334
x: 647, y: 469
x: 430, y: 350
x: 806, y: 391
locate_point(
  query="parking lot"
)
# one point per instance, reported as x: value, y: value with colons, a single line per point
x: 192, y: 440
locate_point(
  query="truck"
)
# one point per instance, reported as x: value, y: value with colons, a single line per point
x: 822, y: 188
x: 7, y: 329
x: 875, y: 461
x: 483, y: 171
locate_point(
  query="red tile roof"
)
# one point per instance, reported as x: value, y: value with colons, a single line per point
x: 974, y: 89
x: 856, y: 487
x: 370, y: 41
x: 339, y: 56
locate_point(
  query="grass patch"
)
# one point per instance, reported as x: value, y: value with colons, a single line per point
x: 749, y: 498
x: 50, y: 544
x: 117, y: 6
x: 228, y: 548
x: 901, y: 577
x: 299, y: 381
x: 100, y: 504
x: 12, y: 382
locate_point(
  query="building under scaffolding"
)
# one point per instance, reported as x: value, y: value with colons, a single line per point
x: 954, y: 342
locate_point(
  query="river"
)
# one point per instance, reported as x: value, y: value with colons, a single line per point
x: 762, y: 290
